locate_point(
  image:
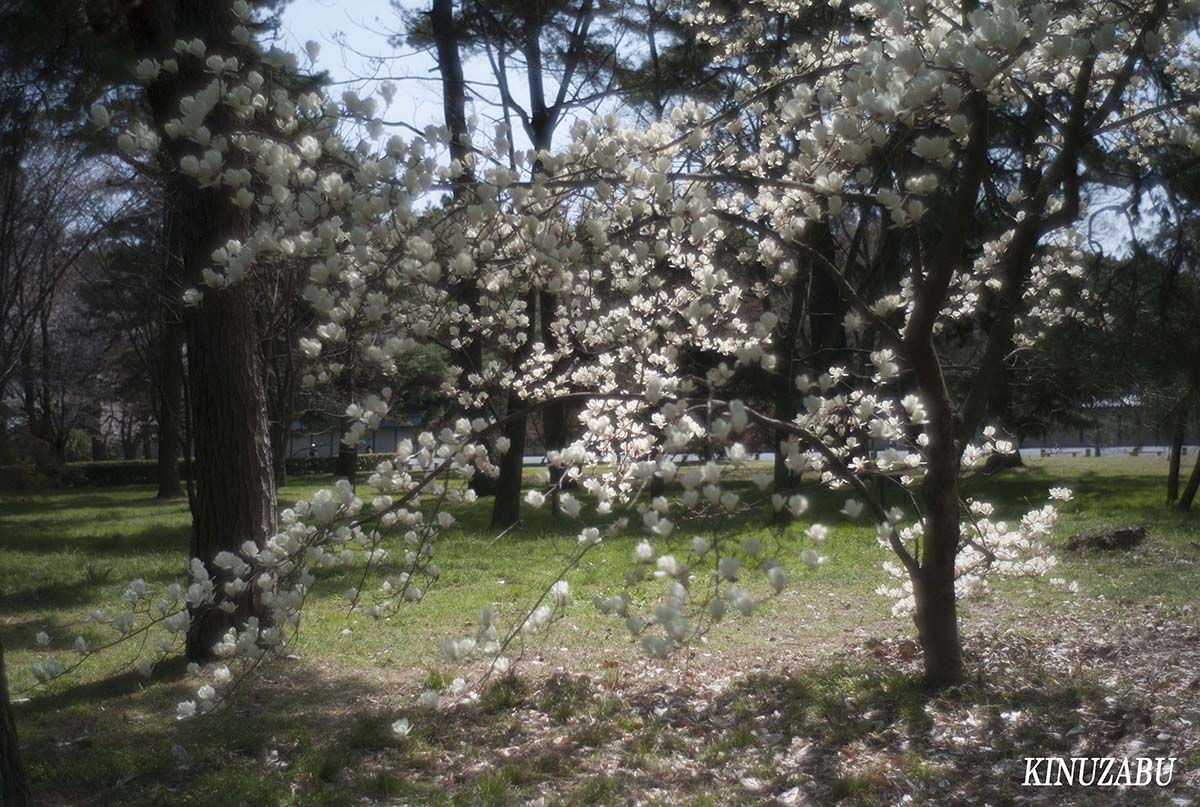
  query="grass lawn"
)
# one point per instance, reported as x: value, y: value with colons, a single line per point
x: 811, y: 701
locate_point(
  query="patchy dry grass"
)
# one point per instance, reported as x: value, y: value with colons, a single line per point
x: 816, y: 701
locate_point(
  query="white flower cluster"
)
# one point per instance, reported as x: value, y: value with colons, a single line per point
x: 159, y: 619
x: 988, y: 547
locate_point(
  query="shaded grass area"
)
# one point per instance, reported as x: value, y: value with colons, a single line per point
x: 317, y: 731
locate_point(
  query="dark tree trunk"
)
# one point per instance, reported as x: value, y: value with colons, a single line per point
x: 541, y: 122
x: 1189, y: 492
x: 347, y: 457
x: 14, y: 787
x: 29, y: 391
x: 234, y: 488
x: 170, y: 405
x: 1178, y: 435
x: 284, y: 411
x: 454, y: 87
x: 937, y: 625
x: 49, y: 433
x: 554, y: 415
x: 507, y: 506
x: 189, y: 445
x: 454, y: 111
x: 281, y: 435
x: 785, y: 390
x: 128, y: 446
x: 824, y: 312
x: 933, y: 584
x: 554, y: 437
x: 506, y: 509
x: 936, y: 614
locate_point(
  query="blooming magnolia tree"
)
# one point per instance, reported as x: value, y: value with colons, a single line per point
x: 893, y: 123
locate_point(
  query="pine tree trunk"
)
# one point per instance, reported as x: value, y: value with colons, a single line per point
x: 554, y: 437
x: 284, y: 411
x: 14, y: 786
x: 347, y: 457
x: 170, y: 411
x: 785, y: 400
x: 47, y: 429
x: 234, y: 487
x: 786, y: 332
x: 506, y: 509
x: 281, y: 435
x: 29, y: 391
x: 1189, y: 492
x: 1178, y: 435
x: 554, y: 415
x: 454, y: 111
x: 543, y: 120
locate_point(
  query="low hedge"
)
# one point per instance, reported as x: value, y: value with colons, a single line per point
x: 114, y: 472
x: 299, y: 466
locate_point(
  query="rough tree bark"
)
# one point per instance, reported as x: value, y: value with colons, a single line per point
x: 281, y: 430
x: 347, y: 456
x: 1178, y: 435
x: 235, y: 486
x: 14, y: 786
x: 1189, y: 492
x: 454, y: 112
x: 170, y: 405
x: 234, y: 497
x: 506, y: 508
x: 29, y: 390
x: 554, y: 416
x: 785, y: 390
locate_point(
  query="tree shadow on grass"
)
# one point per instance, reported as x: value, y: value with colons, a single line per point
x: 43, y: 539
x: 1099, y: 495
x: 81, y: 581
x: 865, y: 730
x: 857, y: 730
x: 860, y: 729
x: 116, y: 741
x: 75, y: 499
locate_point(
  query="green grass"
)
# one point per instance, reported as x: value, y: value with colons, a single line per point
x: 65, y: 553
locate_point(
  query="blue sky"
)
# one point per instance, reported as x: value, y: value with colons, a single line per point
x: 364, y: 24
